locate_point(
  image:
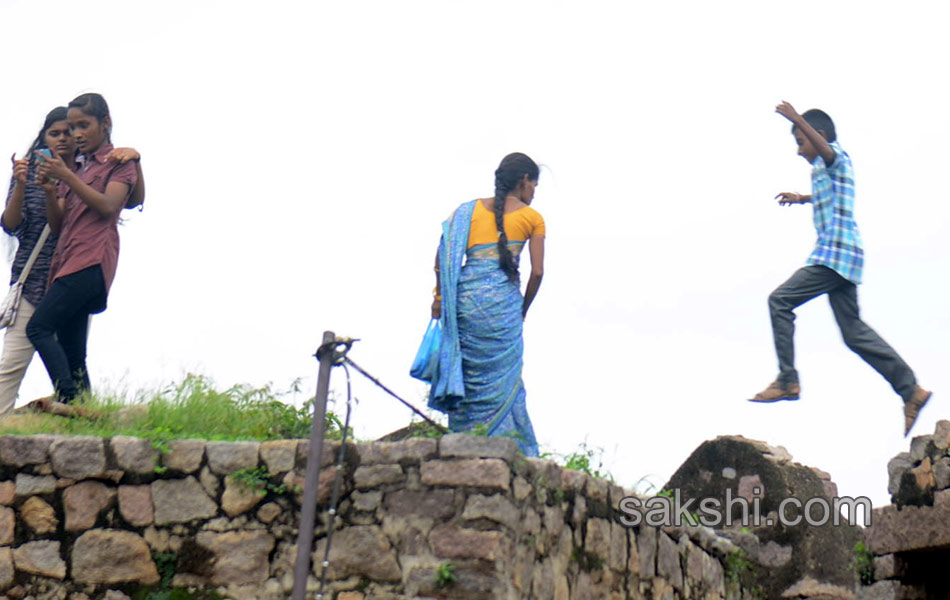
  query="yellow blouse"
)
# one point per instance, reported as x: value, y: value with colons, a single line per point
x: 520, y: 225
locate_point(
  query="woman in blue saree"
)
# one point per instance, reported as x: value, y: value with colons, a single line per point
x: 478, y: 300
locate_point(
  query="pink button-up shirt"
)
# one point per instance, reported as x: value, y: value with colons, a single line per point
x: 88, y: 238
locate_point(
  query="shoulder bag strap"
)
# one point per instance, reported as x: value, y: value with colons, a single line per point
x: 36, y: 252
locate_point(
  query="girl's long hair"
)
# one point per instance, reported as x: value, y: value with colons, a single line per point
x: 512, y: 170
x: 57, y: 114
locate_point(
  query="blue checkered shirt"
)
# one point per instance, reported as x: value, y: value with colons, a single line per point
x: 832, y: 198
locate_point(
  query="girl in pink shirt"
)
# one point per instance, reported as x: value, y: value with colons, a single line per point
x: 83, y: 208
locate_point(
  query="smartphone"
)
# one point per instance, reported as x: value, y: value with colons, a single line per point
x: 46, y: 153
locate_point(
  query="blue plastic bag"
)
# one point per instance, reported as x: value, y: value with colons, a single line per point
x: 427, y: 358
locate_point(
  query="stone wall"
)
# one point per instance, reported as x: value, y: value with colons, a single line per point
x: 910, y: 539
x: 83, y: 518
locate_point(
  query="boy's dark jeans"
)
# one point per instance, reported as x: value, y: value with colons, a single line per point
x: 60, y: 325
x: 815, y: 280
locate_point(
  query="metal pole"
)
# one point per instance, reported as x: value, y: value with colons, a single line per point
x: 309, y: 508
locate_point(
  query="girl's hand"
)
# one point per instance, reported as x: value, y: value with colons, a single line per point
x: 436, y: 308
x: 50, y: 168
x: 21, y: 169
x: 123, y: 155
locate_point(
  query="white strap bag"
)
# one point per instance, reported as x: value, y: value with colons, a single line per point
x: 11, y: 304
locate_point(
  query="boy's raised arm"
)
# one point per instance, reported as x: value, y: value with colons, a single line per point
x: 817, y: 140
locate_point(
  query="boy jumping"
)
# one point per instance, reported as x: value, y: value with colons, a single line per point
x: 834, y: 268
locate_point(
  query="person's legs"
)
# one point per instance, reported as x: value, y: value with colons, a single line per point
x: 867, y: 344
x: 72, y: 338
x: 805, y: 284
x: 65, y: 305
x: 17, y: 354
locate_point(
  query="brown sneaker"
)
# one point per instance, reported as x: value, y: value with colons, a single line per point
x: 778, y: 391
x: 912, y: 407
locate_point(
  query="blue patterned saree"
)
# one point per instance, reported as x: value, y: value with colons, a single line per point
x: 478, y: 382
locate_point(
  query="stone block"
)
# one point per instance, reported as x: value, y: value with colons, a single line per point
x: 597, y: 540
x: 7, y: 526
x: 451, y: 541
x: 362, y: 550
x: 481, y: 473
x: 279, y: 456
x: 646, y: 547
x: 921, y: 446
x: 112, y: 556
x: 225, y: 458
x: 911, y: 528
x: 617, y: 558
x: 40, y: 558
x: 83, y: 502
x: 135, y: 505
x: 896, y: 467
x: 462, y: 445
x: 240, y: 557
x: 668, y: 561
x: 495, y: 508
x: 134, y: 455
x: 181, y: 501
x: 407, y: 451
x: 435, y: 504
x: 78, y: 457
x: 7, y: 570
x: 39, y: 516
x: 239, y: 497
x: 184, y: 456
x: 22, y: 450
x: 7, y: 492
x: 889, y: 566
x: 941, y: 437
x: 941, y: 471
x: 366, y: 501
x: 374, y: 476
x: 269, y: 512
x: 33, y: 485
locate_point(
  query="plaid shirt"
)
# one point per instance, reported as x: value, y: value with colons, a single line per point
x: 832, y: 198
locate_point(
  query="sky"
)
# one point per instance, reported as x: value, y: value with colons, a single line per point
x: 300, y: 157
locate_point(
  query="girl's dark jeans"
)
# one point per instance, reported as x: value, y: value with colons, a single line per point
x: 60, y: 325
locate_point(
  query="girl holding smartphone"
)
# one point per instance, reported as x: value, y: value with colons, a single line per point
x: 83, y: 209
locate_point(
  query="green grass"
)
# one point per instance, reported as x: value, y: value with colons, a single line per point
x: 193, y: 408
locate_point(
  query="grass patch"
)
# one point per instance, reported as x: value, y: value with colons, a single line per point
x: 193, y: 408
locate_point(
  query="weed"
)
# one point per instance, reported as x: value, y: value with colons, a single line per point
x: 736, y: 566
x: 165, y: 562
x: 863, y: 563
x: 583, y: 460
x: 259, y: 480
x: 192, y: 408
x: 445, y: 575
x: 586, y: 560
x: 424, y: 429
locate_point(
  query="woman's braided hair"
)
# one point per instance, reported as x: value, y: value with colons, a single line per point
x: 509, y: 173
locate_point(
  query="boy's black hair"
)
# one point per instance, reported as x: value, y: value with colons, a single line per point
x: 820, y: 120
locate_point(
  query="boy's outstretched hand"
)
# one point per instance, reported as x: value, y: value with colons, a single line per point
x: 788, y: 111
x: 787, y: 198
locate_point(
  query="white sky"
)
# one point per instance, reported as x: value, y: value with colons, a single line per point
x: 300, y: 157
